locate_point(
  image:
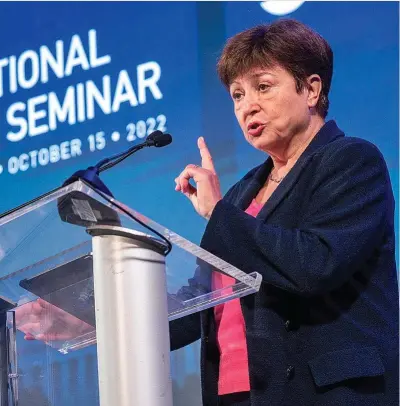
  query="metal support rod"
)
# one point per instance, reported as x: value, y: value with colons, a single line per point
x: 13, y: 374
x: 5, y: 305
x: 3, y: 360
x: 131, y: 318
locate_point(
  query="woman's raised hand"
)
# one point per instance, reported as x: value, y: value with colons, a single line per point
x: 207, y: 192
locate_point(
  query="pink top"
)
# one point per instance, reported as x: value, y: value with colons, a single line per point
x: 231, y: 335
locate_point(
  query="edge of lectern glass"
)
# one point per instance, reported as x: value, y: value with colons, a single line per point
x: 191, y: 306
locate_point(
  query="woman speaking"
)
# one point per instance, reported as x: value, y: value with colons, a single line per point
x: 315, y: 220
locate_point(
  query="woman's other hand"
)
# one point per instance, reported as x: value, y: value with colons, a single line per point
x: 40, y: 320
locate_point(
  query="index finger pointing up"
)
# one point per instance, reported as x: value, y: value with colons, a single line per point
x: 206, y: 159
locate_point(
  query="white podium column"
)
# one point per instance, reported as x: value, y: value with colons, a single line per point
x: 132, y: 328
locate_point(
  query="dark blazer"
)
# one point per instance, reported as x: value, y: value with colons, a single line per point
x: 323, y: 329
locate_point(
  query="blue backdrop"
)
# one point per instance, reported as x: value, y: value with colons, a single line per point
x: 81, y: 81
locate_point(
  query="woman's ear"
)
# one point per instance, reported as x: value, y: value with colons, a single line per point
x: 314, y: 88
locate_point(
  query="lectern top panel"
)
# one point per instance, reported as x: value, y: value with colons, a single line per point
x: 46, y: 255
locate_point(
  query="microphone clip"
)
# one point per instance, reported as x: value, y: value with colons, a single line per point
x: 91, y: 176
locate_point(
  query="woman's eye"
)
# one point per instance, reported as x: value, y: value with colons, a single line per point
x: 236, y: 96
x: 263, y: 87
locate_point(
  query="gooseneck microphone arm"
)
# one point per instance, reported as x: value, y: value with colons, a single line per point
x: 91, y: 176
x: 157, y: 139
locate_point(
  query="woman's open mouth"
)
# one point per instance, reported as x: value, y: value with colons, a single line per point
x: 255, y: 128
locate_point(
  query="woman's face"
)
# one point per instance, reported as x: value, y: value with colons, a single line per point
x: 268, y: 108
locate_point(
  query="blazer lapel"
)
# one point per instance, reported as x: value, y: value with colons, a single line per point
x: 283, y: 188
x: 252, y: 187
x: 327, y: 133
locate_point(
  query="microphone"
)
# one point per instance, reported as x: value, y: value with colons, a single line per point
x: 158, y: 139
x: 78, y: 208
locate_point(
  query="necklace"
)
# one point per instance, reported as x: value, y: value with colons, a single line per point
x: 276, y: 180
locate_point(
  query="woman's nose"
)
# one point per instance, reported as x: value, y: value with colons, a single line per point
x: 250, y: 105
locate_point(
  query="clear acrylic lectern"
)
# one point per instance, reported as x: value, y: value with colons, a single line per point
x: 78, y: 269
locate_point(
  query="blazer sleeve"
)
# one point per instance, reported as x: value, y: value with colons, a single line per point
x: 184, y: 331
x: 187, y: 329
x: 344, y: 220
